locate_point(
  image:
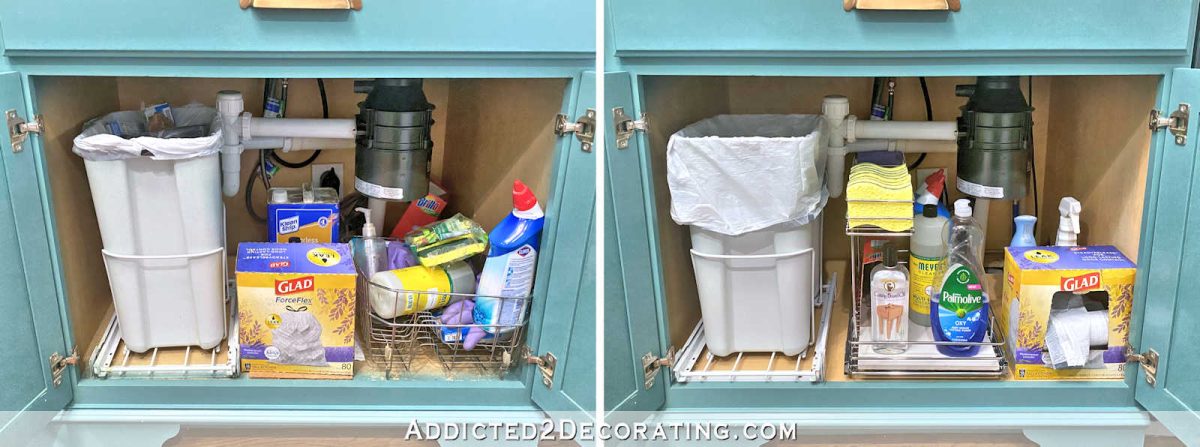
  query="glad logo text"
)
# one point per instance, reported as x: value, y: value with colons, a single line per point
x: 290, y: 286
x: 1081, y: 282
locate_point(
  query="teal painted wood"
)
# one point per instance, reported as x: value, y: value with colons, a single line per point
x: 982, y: 27
x: 1171, y: 311
x: 891, y: 394
x: 631, y: 323
x: 261, y: 394
x: 34, y: 329
x: 185, y: 26
x: 307, y: 66
x: 362, y: 393
x: 567, y: 327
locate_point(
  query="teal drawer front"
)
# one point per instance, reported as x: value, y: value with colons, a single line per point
x: 822, y: 26
x: 422, y: 26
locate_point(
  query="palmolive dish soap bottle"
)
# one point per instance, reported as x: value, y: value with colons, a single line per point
x: 958, y: 307
x: 512, y: 260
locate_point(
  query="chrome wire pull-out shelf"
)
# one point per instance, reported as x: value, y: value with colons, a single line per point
x: 113, y: 360
x: 697, y: 364
x: 922, y: 359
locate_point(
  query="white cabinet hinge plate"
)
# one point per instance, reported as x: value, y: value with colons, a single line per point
x: 626, y: 126
x: 545, y: 364
x: 19, y: 129
x: 59, y: 364
x: 584, y: 128
x: 1148, y: 361
x: 651, y: 364
x: 1176, y: 122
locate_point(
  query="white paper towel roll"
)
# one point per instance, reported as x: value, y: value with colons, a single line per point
x: 1072, y: 332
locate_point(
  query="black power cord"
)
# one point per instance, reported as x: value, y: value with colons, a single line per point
x: 311, y: 158
x: 928, y: 117
x: 1037, y: 210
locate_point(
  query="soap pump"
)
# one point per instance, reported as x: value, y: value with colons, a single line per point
x: 370, y: 250
x: 1068, y: 222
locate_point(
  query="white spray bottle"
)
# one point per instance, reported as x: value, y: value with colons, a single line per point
x: 1068, y: 222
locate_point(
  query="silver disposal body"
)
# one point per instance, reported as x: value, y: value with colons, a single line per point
x: 393, y: 148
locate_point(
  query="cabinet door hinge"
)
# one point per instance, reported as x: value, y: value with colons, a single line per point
x: 19, y: 129
x: 59, y: 364
x: 584, y: 128
x: 626, y: 126
x: 652, y: 363
x: 1148, y: 361
x: 545, y: 364
x: 1176, y: 122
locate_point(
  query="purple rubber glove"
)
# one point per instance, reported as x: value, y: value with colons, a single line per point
x: 399, y: 256
x: 460, y: 312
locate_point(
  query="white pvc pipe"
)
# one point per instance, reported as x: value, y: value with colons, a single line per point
x: 907, y: 146
x: 298, y: 144
x: 301, y: 128
x: 906, y: 130
x: 230, y: 107
x: 378, y: 207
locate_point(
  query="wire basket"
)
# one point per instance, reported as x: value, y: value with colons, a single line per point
x: 989, y: 364
x: 403, y: 345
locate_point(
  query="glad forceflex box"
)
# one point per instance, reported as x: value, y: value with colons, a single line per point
x: 296, y: 310
x: 1065, y: 311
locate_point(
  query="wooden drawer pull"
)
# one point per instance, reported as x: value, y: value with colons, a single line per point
x: 302, y: 4
x: 903, y: 5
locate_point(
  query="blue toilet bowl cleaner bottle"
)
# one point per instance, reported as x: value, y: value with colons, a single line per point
x: 507, y: 278
x: 958, y: 308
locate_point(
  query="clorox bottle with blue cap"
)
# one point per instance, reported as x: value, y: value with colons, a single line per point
x: 507, y: 277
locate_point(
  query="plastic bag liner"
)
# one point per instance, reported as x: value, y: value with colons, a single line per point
x: 99, y: 142
x: 733, y: 174
x: 298, y: 339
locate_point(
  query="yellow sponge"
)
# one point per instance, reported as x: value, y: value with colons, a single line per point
x: 879, y: 196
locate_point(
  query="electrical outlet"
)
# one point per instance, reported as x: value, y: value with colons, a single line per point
x: 319, y: 169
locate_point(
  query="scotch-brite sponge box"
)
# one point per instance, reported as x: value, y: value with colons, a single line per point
x: 296, y: 310
x: 1038, y: 279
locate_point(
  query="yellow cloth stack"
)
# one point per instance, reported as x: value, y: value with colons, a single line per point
x: 879, y: 196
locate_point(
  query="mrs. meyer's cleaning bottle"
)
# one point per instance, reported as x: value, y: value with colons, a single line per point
x: 507, y: 278
x: 959, y: 304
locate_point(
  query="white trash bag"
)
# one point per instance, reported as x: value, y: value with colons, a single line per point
x: 297, y: 340
x: 119, y: 136
x: 733, y: 174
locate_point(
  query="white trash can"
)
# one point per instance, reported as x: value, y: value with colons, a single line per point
x: 751, y: 189
x: 162, y: 223
x: 757, y: 290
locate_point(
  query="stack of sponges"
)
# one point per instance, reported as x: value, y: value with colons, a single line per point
x: 879, y: 196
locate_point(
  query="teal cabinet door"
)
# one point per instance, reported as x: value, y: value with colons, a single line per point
x: 568, y: 323
x: 32, y: 329
x: 1172, y: 307
x: 631, y: 323
x: 178, y: 27
x: 983, y: 27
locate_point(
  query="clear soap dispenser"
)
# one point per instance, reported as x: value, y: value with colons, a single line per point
x: 889, y: 303
x: 370, y: 250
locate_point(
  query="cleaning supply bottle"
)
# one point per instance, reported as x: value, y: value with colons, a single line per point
x: 889, y: 303
x: 1068, y: 222
x: 927, y: 252
x: 419, y: 288
x: 510, y: 265
x: 1023, y: 236
x: 959, y: 305
x: 370, y: 250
